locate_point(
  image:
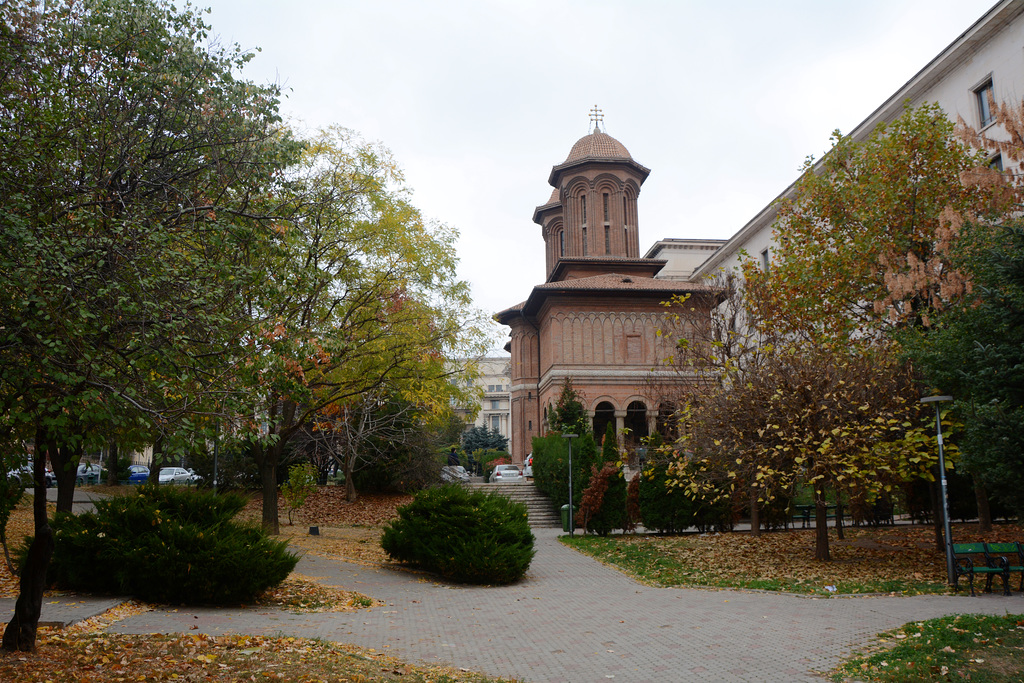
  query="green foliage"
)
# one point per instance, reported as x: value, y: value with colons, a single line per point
x: 609, y: 446
x: 480, y: 438
x: 488, y: 460
x: 551, y: 466
x: 570, y: 417
x: 964, y: 647
x: 12, y: 489
x: 167, y: 544
x: 976, y: 354
x: 463, y: 535
x: 603, y: 507
x: 301, y: 485
x: 668, y: 509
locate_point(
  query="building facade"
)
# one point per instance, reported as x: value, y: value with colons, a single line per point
x: 492, y: 388
x: 985, y: 63
x: 596, y: 319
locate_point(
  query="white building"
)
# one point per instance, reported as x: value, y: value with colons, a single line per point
x: 492, y: 386
x: 987, y: 58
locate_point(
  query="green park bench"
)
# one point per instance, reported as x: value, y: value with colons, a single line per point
x: 1010, y: 555
x: 971, y: 559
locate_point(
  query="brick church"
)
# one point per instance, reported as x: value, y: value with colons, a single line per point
x: 596, y: 317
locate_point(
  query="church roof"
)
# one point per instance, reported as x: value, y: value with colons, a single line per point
x: 606, y: 284
x: 597, y: 145
x: 610, y: 282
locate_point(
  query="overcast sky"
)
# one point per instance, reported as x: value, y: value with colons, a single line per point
x: 478, y: 99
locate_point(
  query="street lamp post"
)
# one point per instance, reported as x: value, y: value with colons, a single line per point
x: 572, y: 517
x: 942, y: 480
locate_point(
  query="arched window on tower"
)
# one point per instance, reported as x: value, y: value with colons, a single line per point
x: 584, y: 241
x: 561, y: 242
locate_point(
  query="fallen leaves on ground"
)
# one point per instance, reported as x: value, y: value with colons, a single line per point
x: 93, y: 656
x: 305, y: 594
x: 890, y: 559
x: 328, y: 507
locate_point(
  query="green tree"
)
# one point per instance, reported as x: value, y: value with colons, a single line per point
x: 132, y: 159
x: 367, y: 301
x: 569, y: 416
x: 301, y: 485
x: 976, y: 354
x: 481, y: 438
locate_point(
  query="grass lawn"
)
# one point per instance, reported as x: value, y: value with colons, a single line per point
x: 900, y: 559
x: 982, y: 649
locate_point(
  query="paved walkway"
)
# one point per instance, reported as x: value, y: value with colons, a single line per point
x: 573, y: 619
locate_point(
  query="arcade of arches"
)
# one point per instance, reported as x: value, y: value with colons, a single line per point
x: 597, y: 317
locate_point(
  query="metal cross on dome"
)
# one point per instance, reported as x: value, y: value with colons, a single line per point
x: 596, y: 118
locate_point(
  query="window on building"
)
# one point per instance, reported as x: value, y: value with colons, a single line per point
x: 986, y: 102
x: 495, y: 423
x: 495, y: 404
x: 607, y: 240
x: 765, y: 260
x: 605, y: 207
x: 583, y: 208
x: 584, y: 241
x: 561, y: 243
x: 530, y: 423
x: 996, y: 162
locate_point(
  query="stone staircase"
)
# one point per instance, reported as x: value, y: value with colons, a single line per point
x: 539, y: 509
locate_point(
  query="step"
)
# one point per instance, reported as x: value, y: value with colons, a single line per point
x: 539, y: 510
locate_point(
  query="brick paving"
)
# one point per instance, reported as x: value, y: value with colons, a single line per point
x: 572, y: 619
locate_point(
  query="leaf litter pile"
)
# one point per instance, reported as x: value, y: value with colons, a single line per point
x: 900, y: 559
x: 84, y: 652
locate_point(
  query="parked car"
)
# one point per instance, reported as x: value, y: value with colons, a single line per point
x: 528, y: 465
x: 26, y: 475
x: 177, y: 475
x: 88, y: 473
x: 505, y: 473
x: 456, y: 473
x: 138, y: 474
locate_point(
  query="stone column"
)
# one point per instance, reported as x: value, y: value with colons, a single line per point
x: 620, y: 426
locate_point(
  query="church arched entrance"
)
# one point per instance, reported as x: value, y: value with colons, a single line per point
x: 636, y: 422
x: 604, y: 414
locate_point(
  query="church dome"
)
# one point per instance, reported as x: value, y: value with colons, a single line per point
x: 597, y: 145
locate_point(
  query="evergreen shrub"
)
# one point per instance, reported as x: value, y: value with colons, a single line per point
x: 467, y: 536
x: 668, y: 510
x: 603, y: 507
x: 168, y: 544
x: 551, y: 466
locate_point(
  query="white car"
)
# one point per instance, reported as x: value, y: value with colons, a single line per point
x: 528, y: 465
x: 177, y: 475
x: 455, y: 473
x: 505, y: 473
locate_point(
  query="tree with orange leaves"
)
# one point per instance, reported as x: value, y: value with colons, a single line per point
x: 863, y: 244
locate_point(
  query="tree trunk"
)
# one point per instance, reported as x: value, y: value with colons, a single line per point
x: 156, y: 462
x: 112, y: 464
x: 984, y: 513
x: 821, y: 528
x: 65, y: 469
x: 839, y: 518
x: 266, y: 458
x: 20, y: 633
x: 350, y: 485
x: 755, y: 514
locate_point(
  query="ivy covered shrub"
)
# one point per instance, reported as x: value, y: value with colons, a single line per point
x: 467, y: 536
x: 168, y: 544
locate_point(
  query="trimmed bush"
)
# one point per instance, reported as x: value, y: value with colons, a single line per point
x: 167, y: 544
x: 668, y: 510
x: 467, y: 536
x: 551, y: 466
